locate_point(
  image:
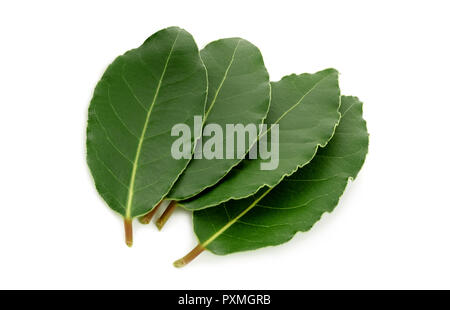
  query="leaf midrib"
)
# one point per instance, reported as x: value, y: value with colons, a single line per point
x: 289, y: 110
x: 222, y: 82
x: 142, y: 136
x: 295, y: 105
x: 234, y: 220
x: 219, y: 88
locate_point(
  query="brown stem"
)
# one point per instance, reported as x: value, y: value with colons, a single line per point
x: 189, y: 257
x: 146, y: 218
x: 166, y: 215
x: 128, y: 231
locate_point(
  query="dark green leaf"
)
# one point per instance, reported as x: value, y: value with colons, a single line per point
x: 142, y: 94
x: 238, y: 93
x: 306, y: 109
x: 273, y: 216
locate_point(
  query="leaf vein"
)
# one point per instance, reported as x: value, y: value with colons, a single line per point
x: 144, y: 130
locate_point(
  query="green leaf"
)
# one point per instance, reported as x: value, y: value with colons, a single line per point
x: 141, y: 95
x: 306, y: 109
x: 238, y: 93
x: 274, y: 215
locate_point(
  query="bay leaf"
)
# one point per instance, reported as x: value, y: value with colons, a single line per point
x: 139, y: 98
x: 238, y: 93
x: 305, y: 107
x: 274, y: 215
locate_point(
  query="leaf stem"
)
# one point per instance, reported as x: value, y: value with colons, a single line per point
x: 128, y: 224
x: 166, y: 215
x: 146, y: 218
x: 189, y: 257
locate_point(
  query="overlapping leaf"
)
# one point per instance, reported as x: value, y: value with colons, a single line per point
x: 273, y: 216
x: 306, y: 109
x: 238, y: 93
x: 142, y: 94
x: 147, y: 91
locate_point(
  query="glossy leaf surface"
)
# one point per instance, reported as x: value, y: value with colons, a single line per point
x: 141, y: 95
x: 238, y: 93
x: 273, y: 216
x: 306, y: 109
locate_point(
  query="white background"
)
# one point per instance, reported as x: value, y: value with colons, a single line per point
x: 391, y: 229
